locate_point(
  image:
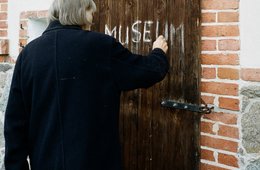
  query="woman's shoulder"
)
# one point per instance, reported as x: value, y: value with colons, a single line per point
x: 97, y: 39
x: 100, y: 35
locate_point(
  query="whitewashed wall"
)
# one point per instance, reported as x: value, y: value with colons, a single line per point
x: 250, y: 33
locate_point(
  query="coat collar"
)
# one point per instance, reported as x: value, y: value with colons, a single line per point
x: 54, y: 25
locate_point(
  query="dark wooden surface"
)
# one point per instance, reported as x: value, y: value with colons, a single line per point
x: 156, y: 138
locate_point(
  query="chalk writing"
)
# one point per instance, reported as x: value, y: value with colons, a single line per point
x: 141, y: 32
x: 157, y: 29
x: 120, y: 35
x: 147, y: 31
x: 108, y: 32
x: 136, y: 34
x: 166, y: 35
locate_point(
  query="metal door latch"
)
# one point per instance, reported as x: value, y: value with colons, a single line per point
x: 203, y: 108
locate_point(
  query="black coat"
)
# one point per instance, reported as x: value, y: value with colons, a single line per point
x: 64, y: 100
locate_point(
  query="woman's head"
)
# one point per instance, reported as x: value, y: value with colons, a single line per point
x: 72, y: 12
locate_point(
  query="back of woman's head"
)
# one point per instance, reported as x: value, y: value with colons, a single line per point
x: 71, y: 12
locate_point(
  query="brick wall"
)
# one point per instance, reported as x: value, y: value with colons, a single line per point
x: 4, y: 43
x: 220, y: 135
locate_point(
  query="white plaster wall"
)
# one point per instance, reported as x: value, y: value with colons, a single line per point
x: 250, y: 33
x: 15, y: 7
x: 36, y: 28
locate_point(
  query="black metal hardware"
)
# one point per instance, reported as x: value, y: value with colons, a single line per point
x: 21, y: 26
x: 203, y: 108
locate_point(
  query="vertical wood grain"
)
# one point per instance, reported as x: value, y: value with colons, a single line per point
x: 152, y: 137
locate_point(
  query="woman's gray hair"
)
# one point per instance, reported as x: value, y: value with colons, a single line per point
x: 71, y: 12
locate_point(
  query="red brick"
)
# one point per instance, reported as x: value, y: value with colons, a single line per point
x: 42, y: 14
x: 210, y: 167
x: 207, y: 127
x: 207, y: 155
x: 228, y: 103
x: 220, y: 4
x: 220, y: 31
x: 228, y: 73
x: 208, y: 45
x: 228, y: 17
x: 3, y: 25
x: 248, y: 74
x: 220, y: 88
x: 28, y: 14
x: 23, y: 33
x: 4, y: 7
x: 231, y: 45
x: 207, y: 99
x: 226, y: 118
x: 228, y: 131
x: 220, y: 59
x: 3, y: 1
x: 220, y: 144
x: 208, y: 73
x: 3, y: 33
x: 3, y: 16
x: 6, y: 59
x: 4, y: 47
x: 208, y: 17
x: 2, y: 59
x: 229, y: 160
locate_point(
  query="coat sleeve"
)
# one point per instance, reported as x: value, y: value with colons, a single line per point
x: 133, y: 71
x: 15, y: 125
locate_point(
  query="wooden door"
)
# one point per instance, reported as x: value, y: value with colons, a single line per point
x: 153, y: 137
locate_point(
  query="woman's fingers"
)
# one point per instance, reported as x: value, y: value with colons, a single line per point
x: 161, y: 43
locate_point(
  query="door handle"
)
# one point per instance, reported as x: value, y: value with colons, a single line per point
x: 203, y: 108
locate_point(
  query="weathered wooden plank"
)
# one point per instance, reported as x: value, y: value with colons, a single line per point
x: 130, y: 100
x: 145, y: 114
x: 192, y: 51
x: 155, y: 138
x: 129, y: 126
x: 160, y: 142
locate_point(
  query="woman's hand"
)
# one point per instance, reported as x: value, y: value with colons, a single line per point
x: 161, y: 43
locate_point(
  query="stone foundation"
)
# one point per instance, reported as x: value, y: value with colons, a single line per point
x: 6, y: 72
x: 250, y: 122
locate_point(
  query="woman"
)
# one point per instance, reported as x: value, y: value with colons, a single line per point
x: 64, y: 99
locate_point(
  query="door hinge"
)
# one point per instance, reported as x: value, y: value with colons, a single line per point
x: 203, y: 108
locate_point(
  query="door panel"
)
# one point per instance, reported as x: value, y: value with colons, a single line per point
x: 156, y: 138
